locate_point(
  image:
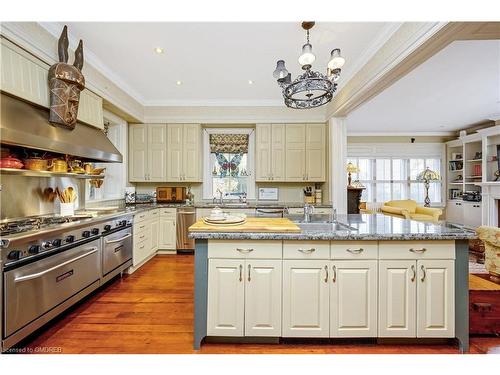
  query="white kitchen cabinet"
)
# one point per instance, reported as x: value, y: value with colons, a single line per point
x: 295, y: 159
x: 147, y: 152
x: 263, y: 297
x: 472, y: 214
x: 353, y: 298
x: 155, y: 233
x: 305, y: 298
x: 270, y: 152
x: 90, y: 109
x: 315, y: 152
x: 397, y: 298
x: 167, y: 233
x: 435, y: 298
x: 226, y: 297
x: 455, y: 212
x: 184, y: 152
x: 416, y: 298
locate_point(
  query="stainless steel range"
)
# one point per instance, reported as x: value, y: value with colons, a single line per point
x: 49, y: 263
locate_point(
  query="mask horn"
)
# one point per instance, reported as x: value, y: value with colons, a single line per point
x: 79, y: 56
x: 62, y: 46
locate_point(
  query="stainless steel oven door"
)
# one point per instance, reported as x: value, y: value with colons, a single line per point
x: 116, y: 250
x: 34, y: 289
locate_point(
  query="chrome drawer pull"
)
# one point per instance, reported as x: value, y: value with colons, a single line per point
x: 423, y: 273
x: 40, y: 274
x: 326, y: 277
x: 414, y: 273
x: 307, y: 251
x: 355, y: 251
x: 244, y: 251
x: 120, y: 239
x: 334, y: 273
x: 418, y: 251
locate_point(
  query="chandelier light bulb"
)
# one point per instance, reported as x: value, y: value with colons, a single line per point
x: 280, y: 72
x: 336, y: 60
x: 307, y: 57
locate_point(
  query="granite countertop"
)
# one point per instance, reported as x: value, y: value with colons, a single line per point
x: 362, y: 227
x: 227, y: 206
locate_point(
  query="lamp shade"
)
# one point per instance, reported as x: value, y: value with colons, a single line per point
x: 351, y: 168
x: 336, y: 60
x: 280, y: 72
x: 428, y: 175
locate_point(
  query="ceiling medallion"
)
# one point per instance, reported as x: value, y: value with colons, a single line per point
x: 310, y: 89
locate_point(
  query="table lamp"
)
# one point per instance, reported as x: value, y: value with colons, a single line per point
x: 351, y: 168
x: 426, y: 176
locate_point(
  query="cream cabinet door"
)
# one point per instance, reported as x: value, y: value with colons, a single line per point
x: 155, y: 234
x: 90, y: 109
x: 263, y: 152
x: 315, y: 152
x: 174, y: 151
x: 397, y: 298
x: 278, y: 152
x: 137, y: 155
x: 157, y: 152
x: 167, y: 233
x: 295, y: 152
x: 305, y: 298
x: 436, y: 298
x: 263, y: 297
x: 226, y: 297
x: 191, y: 170
x: 353, y: 298
x: 23, y: 75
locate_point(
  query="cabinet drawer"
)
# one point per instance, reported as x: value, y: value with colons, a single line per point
x: 417, y: 249
x: 245, y: 249
x: 296, y: 211
x: 142, y: 216
x: 306, y: 250
x: 354, y: 250
x: 141, y: 236
x: 168, y: 212
x: 322, y: 211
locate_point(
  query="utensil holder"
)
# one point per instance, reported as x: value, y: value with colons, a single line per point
x: 67, y: 209
x: 309, y: 199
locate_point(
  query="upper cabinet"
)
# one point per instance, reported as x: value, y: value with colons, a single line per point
x: 147, y: 152
x: 25, y: 76
x: 184, y: 152
x: 270, y: 152
x: 290, y: 152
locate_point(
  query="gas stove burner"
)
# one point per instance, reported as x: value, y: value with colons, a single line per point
x: 37, y: 222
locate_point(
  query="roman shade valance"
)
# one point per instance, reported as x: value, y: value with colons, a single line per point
x: 229, y: 143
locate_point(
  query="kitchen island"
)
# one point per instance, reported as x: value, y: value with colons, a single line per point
x: 361, y: 276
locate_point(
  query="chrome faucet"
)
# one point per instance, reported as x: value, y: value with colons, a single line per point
x: 308, y: 210
x: 221, y: 200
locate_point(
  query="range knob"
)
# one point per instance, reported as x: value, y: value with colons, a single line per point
x: 46, y: 244
x: 123, y: 223
x: 107, y: 227
x: 14, y: 255
x: 57, y: 242
x: 34, y: 249
x: 86, y: 234
x: 70, y: 238
x: 95, y: 231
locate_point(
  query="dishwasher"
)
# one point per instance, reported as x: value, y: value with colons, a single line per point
x: 186, y: 216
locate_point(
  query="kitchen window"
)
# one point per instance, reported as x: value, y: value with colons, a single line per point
x: 395, y: 178
x: 228, y: 163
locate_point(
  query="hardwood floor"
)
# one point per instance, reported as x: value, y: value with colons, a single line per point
x: 151, y: 311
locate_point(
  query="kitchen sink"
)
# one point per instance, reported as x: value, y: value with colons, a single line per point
x: 324, y: 227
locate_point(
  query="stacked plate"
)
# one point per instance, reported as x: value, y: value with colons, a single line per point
x: 225, y: 220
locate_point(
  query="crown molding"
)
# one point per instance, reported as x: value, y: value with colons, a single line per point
x: 401, y: 134
x: 213, y: 103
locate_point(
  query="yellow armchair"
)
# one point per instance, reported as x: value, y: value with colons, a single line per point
x: 408, y: 209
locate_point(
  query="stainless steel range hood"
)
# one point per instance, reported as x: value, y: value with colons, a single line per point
x: 25, y: 125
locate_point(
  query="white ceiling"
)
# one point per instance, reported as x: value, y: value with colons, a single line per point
x: 457, y: 87
x: 215, y: 61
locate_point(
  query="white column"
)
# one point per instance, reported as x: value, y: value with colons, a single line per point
x: 338, y: 157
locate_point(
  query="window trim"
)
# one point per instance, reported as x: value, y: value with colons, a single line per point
x: 207, y: 175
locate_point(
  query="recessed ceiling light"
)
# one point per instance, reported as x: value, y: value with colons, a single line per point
x: 250, y: 82
x: 178, y: 83
x: 159, y: 50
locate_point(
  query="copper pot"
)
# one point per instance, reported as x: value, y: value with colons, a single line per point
x: 36, y: 164
x: 58, y: 165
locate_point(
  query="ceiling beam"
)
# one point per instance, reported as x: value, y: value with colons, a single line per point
x: 411, y: 45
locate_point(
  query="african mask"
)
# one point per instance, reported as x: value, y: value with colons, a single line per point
x: 65, y: 83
